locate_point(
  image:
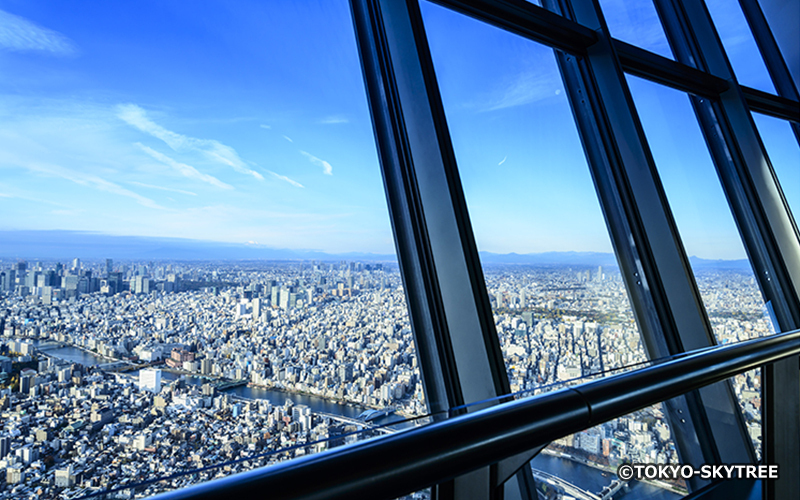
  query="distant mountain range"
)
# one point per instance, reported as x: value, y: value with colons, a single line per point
x: 551, y: 258
x: 52, y: 245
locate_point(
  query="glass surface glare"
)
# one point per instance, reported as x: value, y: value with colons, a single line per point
x: 560, y: 307
x: 636, y: 23
x: 551, y: 274
x: 724, y: 276
x: 197, y: 271
x: 784, y: 155
x: 740, y: 46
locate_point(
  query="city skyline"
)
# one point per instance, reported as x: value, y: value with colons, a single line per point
x: 228, y: 342
x: 225, y: 125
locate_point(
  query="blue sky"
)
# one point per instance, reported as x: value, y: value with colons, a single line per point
x: 248, y: 122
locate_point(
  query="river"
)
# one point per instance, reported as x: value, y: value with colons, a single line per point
x: 593, y: 480
x: 276, y: 397
x: 583, y: 476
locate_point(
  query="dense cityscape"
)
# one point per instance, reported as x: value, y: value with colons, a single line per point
x: 174, y: 344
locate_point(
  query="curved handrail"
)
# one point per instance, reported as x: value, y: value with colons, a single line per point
x: 407, y: 461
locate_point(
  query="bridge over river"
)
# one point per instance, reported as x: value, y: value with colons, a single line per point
x: 576, y: 492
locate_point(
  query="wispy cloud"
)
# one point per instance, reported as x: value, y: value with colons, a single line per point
x: 184, y: 169
x: 284, y: 178
x: 333, y: 120
x: 265, y: 126
x: 327, y: 169
x: 161, y: 188
x: 502, y: 161
x: 524, y: 88
x: 33, y: 199
x: 90, y: 180
x: 69, y: 213
x: 288, y: 138
x: 215, y: 150
x: 17, y: 33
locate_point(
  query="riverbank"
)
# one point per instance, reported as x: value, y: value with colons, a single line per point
x: 341, y: 401
x: 610, y: 470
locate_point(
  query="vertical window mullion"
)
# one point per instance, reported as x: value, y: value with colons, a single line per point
x: 762, y: 215
x: 665, y: 280
x: 452, y: 321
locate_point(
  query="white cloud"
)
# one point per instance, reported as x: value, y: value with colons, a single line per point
x: 184, y: 169
x: 17, y: 33
x: 524, y: 88
x: 215, y: 150
x: 90, y: 180
x: 21, y: 195
x: 333, y: 120
x: 68, y: 213
x: 288, y: 138
x: 265, y: 126
x: 284, y: 178
x: 327, y: 169
x: 502, y: 161
x: 161, y: 188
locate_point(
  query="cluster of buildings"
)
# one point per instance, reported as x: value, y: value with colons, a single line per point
x: 100, y: 431
x: 584, y: 328
x: 338, y: 331
x: 63, y: 282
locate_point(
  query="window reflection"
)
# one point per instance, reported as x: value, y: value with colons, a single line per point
x: 636, y: 23
x: 784, y: 154
x: 740, y: 46
x: 724, y: 276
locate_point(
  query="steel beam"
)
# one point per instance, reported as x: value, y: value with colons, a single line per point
x: 663, y: 292
x: 452, y: 320
x: 771, y: 52
x: 764, y: 220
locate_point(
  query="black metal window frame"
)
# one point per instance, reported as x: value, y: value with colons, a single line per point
x: 451, y: 316
x: 457, y: 345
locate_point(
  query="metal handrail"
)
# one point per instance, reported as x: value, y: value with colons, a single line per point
x: 407, y: 461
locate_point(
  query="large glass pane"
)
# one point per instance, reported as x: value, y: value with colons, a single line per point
x: 636, y: 23
x: 740, y: 45
x: 728, y: 288
x: 560, y: 307
x: 198, y: 267
x: 784, y: 154
x: 642, y: 437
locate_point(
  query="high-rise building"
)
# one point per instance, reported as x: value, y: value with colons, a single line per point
x: 5, y: 446
x: 26, y: 381
x: 141, y: 284
x: 150, y: 380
